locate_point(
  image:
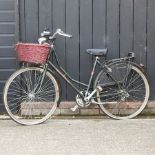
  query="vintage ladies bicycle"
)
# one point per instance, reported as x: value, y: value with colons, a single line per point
x: 32, y: 94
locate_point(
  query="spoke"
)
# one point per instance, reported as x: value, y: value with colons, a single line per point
x: 138, y: 76
x: 17, y: 86
x: 110, y: 94
x: 140, y: 94
x: 135, y: 84
x: 110, y: 98
x: 22, y: 91
x: 44, y: 100
x: 36, y: 83
x: 26, y: 81
x: 132, y: 75
x: 46, y: 93
x: 137, y: 87
x: 14, y: 99
x: 127, y: 74
x: 46, y: 96
x: 44, y: 86
x: 25, y: 109
x: 136, y: 97
x: 137, y: 90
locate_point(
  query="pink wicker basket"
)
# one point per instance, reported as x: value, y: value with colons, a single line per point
x: 32, y: 53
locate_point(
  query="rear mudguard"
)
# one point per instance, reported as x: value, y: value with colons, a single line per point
x: 118, y: 60
x: 121, y: 60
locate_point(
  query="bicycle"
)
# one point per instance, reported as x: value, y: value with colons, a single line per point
x: 32, y: 94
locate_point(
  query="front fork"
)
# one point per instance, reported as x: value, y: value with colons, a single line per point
x: 41, y: 78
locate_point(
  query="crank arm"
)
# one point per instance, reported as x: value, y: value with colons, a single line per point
x: 74, y: 108
x: 98, y: 88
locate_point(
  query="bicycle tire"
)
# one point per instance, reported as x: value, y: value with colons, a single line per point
x: 107, y: 105
x: 30, y: 106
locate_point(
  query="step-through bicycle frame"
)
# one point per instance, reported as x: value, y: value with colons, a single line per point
x: 69, y: 79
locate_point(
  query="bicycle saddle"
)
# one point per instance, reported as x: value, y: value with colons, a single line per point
x: 97, y: 52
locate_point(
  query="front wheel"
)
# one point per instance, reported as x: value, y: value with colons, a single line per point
x: 125, y: 91
x: 30, y: 99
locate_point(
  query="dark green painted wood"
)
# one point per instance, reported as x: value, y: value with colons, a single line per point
x: 126, y: 27
x: 7, y: 5
x: 59, y: 22
x: 7, y: 41
x: 7, y: 28
x: 120, y: 25
x: 5, y: 74
x: 99, y: 24
x: 113, y: 28
x: 45, y: 14
x: 7, y: 52
x: 22, y: 21
x: 72, y: 45
x: 140, y: 8
x: 31, y: 20
x: 151, y: 46
x: 8, y: 63
x: 85, y: 39
x: 7, y: 16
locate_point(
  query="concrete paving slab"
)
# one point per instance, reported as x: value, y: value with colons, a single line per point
x: 79, y: 137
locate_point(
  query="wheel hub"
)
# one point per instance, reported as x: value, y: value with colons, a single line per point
x: 124, y: 95
x: 31, y: 96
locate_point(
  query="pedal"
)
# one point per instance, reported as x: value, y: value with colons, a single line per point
x: 74, y: 108
x: 99, y: 88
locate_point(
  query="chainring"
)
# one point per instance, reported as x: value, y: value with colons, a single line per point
x: 80, y: 102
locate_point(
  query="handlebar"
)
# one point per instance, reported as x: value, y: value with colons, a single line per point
x: 46, y: 35
x: 60, y: 32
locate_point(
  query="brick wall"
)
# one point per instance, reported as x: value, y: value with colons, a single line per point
x: 94, y: 110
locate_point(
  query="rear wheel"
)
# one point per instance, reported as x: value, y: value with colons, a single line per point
x: 127, y: 97
x: 26, y: 100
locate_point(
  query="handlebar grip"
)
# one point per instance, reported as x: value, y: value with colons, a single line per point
x: 68, y: 35
x: 65, y: 34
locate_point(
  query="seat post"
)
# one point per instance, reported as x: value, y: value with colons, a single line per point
x: 92, y: 74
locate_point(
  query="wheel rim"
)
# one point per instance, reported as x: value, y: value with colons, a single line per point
x: 28, y: 103
x: 127, y: 104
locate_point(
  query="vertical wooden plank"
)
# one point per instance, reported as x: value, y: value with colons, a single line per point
x: 126, y: 27
x: 22, y: 20
x: 140, y: 31
x: 31, y: 17
x: 99, y: 24
x: 45, y: 15
x: 85, y: 39
x: 59, y: 22
x: 72, y: 46
x: 151, y: 45
x: 17, y: 19
x: 113, y: 28
x: 17, y: 29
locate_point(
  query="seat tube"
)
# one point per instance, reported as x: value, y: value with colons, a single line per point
x: 92, y: 74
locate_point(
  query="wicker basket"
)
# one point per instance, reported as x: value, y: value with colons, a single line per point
x: 32, y: 53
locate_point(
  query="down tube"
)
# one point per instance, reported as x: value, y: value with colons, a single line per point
x: 66, y: 79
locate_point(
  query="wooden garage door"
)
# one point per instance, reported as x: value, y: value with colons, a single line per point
x: 7, y: 40
x: 120, y: 25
